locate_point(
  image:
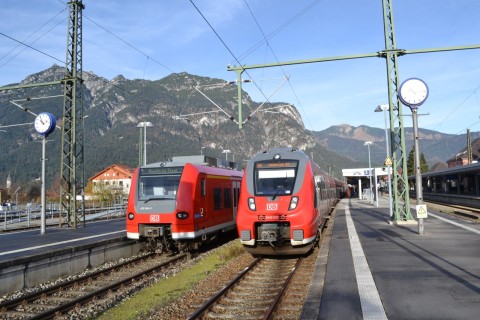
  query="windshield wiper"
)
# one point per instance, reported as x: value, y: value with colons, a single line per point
x: 160, y: 198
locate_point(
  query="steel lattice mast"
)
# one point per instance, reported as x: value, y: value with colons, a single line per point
x: 72, y: 134
x: 401, y: 197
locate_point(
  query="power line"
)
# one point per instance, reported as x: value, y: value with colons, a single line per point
x: 280, y: 28
x: 130, y: 45
x: 28, y: 46
x: 275, y: 56
x: 38, y: 29
x: 228, y: 49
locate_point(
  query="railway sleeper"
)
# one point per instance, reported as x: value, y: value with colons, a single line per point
x: 254, y: 301
x: 246, y: 295
x: 17, y: 315
x: 212, y: 315
x: 240, y: 310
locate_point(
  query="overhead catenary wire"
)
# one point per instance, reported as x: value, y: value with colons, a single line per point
x: 308, y: 8
x: 225, y: 45
x: 31, y: 43
x: 29, y: 46
x: 220, y: 108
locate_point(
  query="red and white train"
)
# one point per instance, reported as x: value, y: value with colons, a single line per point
x: 284, y: 200
x: 179, y: 205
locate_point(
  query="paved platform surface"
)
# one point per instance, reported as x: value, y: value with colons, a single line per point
x: 27, y: 243
x: 371, y: 269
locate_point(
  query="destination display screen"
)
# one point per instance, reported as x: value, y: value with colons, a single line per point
x: 161, y: 170
x: 275, y: 177
x: 276, y: 164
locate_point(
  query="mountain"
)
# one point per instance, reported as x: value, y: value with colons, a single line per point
x: 348, y: 141
x: 184, y: 122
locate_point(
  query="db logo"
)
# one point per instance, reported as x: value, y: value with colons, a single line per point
x: 155, y: 218
x: 272, y: 206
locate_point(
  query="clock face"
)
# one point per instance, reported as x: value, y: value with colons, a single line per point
x: 413, y: 92
x: 44, y: 123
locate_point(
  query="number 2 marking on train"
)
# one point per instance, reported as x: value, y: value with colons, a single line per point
x: 272, y: 206
x: 155, y: 218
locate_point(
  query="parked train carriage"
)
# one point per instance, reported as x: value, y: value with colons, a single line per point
x: 178, y: 206
x: 284, y: 200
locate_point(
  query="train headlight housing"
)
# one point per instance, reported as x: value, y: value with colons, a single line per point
x: 293, y: 203
x: 182, y: 215
x: 131, y: 216
x: 251, y: 204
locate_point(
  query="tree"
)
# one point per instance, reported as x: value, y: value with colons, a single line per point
x: 411, y: 163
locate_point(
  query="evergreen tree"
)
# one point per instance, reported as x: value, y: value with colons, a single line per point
x: 411, y: 163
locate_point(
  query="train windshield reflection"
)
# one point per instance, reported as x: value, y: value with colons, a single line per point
x: 274, y: 181
x: 158, y: 187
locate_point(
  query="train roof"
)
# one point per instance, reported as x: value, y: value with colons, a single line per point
x: 452, y: 170
x: 269, y: 154
x: 202, y: 164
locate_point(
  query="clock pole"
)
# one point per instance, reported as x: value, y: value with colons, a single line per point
x: 42, y: 212
x: 413, y: 93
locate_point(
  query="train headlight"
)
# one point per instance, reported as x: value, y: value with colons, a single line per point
x: 131, y: 216
x: 251, y: 204
x: 182, y: 215
x: 293, y: 203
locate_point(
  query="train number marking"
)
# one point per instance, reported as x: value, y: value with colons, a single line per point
x: 272, y: 206
x: 155, y: 218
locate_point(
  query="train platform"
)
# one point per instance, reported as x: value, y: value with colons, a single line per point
x: 27, y: 243
x: 28, y: 258
x: 372, y: 269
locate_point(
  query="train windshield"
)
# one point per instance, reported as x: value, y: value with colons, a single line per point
x: 275, y: 177
x: 159, y: 183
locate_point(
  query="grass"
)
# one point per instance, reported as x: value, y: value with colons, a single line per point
x: 172, y: 288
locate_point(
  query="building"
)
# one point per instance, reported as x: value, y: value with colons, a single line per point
x: 461, y: 158
x: 117, y: 176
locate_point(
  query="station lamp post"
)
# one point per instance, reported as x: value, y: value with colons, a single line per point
x: 385, y: 108
x: 144, y: 125
x: 226, y: 153
x: 368, y: 143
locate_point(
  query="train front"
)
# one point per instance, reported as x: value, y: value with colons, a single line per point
x: 152, y: 210
x: 277, y: 212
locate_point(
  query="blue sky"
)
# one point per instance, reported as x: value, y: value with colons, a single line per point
x: 151, y: 39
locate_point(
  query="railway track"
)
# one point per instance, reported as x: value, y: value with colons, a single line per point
x: 470, y: 213
x: 266, y: 289
x: 61, y: 298
x: 253, y: 294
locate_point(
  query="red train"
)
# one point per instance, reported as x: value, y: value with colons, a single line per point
x: 179, y: 205
x: 284, y: 199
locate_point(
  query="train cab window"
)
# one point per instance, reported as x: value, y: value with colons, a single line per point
x: 275, y: 177
x: 217, y: 198
x: 159, y: 183
x: 227, y: 198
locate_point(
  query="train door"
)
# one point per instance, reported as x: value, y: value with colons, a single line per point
x: 236, y: 195
x: 201, y: 212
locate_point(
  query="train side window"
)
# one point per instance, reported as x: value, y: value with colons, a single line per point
x: 315, y: 196
x: 227, y: 198
x: 203, y: 187
x: 217, y: 198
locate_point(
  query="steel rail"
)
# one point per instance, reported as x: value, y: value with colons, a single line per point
x: 203, y: 308
x: 49, y: 314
